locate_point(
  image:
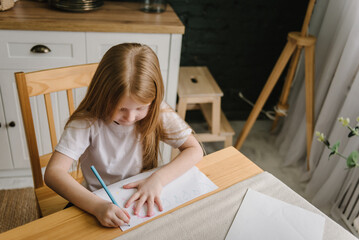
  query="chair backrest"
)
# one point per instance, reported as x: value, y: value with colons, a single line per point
x: 44, y: 83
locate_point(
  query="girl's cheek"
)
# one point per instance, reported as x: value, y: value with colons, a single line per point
x: 143, y: 115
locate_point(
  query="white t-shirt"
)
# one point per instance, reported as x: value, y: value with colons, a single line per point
x: 113, y: 149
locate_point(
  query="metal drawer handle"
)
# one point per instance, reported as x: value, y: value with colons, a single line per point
x: 40, y: 49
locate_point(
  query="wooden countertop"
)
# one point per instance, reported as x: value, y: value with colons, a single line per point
x: 113, y: 16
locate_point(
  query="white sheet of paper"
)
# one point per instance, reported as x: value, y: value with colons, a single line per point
x: 190, y: 185
x: 264, y: 217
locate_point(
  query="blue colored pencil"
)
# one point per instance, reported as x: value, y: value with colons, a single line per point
x: 103, y: 185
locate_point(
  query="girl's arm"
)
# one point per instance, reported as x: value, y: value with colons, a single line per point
x: 57, y: 178
x: 149, y: 190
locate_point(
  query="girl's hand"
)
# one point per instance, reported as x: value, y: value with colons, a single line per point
x: 111, y: 215
x: 148, y: 190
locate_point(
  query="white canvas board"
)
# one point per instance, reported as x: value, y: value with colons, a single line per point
x: 264, y: 217
x: 190, y: 185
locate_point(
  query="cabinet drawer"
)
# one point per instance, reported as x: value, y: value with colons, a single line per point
x: 99, y: 43
x: 66, y: 48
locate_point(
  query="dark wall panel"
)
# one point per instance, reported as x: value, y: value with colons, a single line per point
x: 239, y: 41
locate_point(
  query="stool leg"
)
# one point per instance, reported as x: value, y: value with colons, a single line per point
x: 309, y: 96
x: 182, y: 107
x: 216, y: 115
x: 229, y: 141
x: 268, y: 87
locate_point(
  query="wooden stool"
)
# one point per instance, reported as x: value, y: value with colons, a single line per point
x: 197, y: 89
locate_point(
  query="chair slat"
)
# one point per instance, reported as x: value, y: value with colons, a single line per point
x: 70, y: 101
x: 50, y: 118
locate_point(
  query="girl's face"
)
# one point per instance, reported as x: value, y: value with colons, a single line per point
x: 128, y: 111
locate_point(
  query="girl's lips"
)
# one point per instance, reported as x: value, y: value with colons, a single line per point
x: 124, y: 122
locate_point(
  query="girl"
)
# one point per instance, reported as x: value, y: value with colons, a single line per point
x: 117, y: 128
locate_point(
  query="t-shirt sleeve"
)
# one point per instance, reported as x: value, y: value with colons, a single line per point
x: 75, y: 139
x: 176, y: 129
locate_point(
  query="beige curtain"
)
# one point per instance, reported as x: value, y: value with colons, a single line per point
x: 336, y: 26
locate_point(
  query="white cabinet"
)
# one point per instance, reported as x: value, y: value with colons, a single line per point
x: 63, y: 49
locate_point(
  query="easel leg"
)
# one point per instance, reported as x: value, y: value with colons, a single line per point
x: 309, y: 96
x: 287, y: 84
x: 268, y: 87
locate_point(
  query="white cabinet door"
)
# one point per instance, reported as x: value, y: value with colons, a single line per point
x: 5, y: 157
x: 16, y: 134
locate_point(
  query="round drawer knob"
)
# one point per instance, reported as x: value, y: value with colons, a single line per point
x: 12, y: 124
x: 40, y: 49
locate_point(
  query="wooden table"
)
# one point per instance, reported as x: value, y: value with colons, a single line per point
x: 225, y: 168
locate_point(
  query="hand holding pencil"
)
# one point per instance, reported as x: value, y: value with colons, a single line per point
x: 108, y: 214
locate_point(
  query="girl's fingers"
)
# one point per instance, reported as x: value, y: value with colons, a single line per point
x: 130, y: 185
x: 133, y: 198
x: 150, y: 205
x: 159, y: 203
x: 110, y: 223
x: 139, y: 204
x: 122, y: 215
x: 127, y: 214
x: 116, y: 222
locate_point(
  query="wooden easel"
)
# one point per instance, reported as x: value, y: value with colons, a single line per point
x: 296, y: 41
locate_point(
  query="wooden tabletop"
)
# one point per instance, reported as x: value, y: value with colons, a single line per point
x: 113, y: 16
x: 225, y: 168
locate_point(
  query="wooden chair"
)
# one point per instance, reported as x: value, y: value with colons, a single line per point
x: 44, y: 83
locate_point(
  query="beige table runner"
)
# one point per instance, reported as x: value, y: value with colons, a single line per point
x: 211, y: 218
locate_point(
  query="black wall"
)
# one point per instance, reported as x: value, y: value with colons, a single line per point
x: 239, y: 41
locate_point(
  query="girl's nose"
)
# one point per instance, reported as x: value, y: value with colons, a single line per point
x: 131, y: 115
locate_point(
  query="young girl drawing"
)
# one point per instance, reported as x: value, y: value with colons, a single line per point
x: 117, y: 128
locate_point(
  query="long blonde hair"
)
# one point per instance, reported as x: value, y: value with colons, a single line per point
x: 131, y: 69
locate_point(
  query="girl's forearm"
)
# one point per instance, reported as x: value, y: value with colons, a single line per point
x: 66, y: 186
x: 185, y: 160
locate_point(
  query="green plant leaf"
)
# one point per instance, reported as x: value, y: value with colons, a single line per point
x: 352, y: 160
x: 354, y: 132
x: 334, y: 148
